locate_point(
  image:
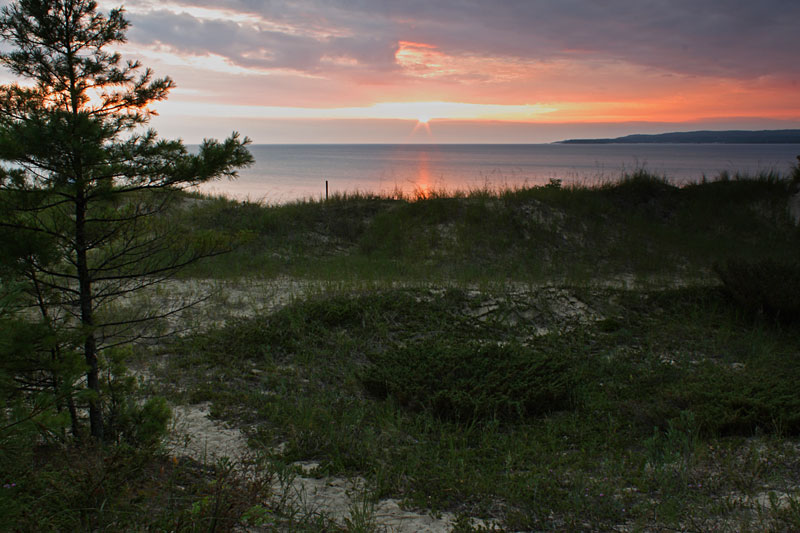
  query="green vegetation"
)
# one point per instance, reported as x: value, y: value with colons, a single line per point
x: 640, y: 226
x: 650, y: 385
x: 766, y: 286
x: 674, y: 407
x: 470, y: 382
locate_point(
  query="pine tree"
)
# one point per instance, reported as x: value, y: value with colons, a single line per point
x: 84, y: 178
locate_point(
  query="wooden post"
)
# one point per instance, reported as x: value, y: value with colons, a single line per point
x: 326, y: 189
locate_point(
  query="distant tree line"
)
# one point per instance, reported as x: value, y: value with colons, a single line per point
x: 702, y: 137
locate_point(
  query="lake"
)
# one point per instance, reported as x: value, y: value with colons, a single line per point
x: 284, y: 173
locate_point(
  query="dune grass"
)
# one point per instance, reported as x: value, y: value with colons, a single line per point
x: 477, y: 354
x: 640, y: 225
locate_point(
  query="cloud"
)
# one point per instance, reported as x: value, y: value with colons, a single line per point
x: 244, y: 46
x: 591, y: 61
x: 737, y: 39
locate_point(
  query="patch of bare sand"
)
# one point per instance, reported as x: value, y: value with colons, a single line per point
x: 196, y: 435
x: 205, y: 440
x: 343, y: 500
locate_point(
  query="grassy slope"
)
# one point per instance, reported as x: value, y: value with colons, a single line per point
x: 640, y: 226
x: 647, y: 409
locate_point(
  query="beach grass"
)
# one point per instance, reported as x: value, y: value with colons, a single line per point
x: 640, y: 226
x: 621, y: 357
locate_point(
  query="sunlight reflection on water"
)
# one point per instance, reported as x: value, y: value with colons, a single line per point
x: 285, y: 173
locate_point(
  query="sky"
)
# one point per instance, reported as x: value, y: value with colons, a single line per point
x: 419, y: 71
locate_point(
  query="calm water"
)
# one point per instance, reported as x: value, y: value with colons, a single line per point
x: 288, y: 172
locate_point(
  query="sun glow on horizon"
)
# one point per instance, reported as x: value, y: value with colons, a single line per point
x: 421, y: 112
x: 422, y: 125
x: 316, y: 71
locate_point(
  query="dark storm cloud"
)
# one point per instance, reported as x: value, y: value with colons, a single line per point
x: 737, y: 39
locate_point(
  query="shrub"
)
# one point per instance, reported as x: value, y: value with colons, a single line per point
x: 767, y: 286
x: 741, y: 402
x: 145, y: 425
x: 471, y: 381
x: 120, y: 488
x: 641, y: 187
x: 127, y: 419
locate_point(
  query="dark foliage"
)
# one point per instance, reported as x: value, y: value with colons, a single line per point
x: 469, y: 382
x: 766, y: 286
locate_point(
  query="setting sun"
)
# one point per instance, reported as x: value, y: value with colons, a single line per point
x: 422, y: 112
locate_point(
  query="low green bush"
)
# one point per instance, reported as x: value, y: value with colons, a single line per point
x: 121, y: 488
x: 767, y: 286
x: 145, y: 425
x: 639, y: 188
x: 743, y: 402
x: 127, y: 419
x: 471, y: 381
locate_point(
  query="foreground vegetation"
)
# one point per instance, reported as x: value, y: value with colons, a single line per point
x: 672, y: 407
x: 616, y: 358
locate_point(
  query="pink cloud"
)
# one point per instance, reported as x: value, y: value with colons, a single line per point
x: 676, y: 60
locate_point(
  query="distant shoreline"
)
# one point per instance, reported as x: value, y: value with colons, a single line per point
x: 701, y: 137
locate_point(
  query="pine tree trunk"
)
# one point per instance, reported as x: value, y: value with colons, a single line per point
x: 87, y: 319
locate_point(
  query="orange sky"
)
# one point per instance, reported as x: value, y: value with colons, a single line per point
x: 508, y: 71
